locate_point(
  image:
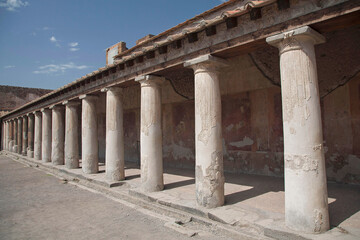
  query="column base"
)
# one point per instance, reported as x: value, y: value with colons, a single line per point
x: 24, y: 153
x: 10, y: 148
x: 30, y: 154
x: 15, y: 149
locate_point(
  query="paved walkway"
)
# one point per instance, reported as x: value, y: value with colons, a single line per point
x: 36, y: 205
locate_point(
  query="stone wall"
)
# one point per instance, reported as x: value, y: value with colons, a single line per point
x: 14, y: 97
x: 251, y: 124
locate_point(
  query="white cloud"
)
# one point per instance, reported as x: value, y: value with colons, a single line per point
x: 12, y: 5
x: 74, y: 49
x: 46, y: 28
x: 55, y: 68
x: 73, y: 44
x: 9, y: 66
x: 53, y: 39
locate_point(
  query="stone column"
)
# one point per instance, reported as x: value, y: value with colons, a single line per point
x: 30, y: 149
x: 46, y: 135
x: 306, y: 198
x: 37, y: 135
x: 114, y: 155
x: 208, y: 133
x: 24, y: 135
x: 7, y: 135
x: 71, y: 134
x: 151, y: 133
x: 89, y: 132
x: 15, y: 148
x: 19, y: 134
x: 57, y: 134
x: 11, y: 135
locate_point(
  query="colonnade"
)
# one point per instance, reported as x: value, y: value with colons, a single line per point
x: 52, y: 135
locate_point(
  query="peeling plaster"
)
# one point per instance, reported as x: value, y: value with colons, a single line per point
x: 245, y: 142
x: 318, y: 218
x: 301, y: 162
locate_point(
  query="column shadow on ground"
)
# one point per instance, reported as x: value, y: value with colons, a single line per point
x: 346, y: 204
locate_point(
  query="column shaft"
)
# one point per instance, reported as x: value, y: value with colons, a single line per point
x: 57, y: 135
x: 46, y: 135
x: 151, y: 134
x: 7, y: 135
x: 90, y: 152
x: 24, y: 135
x: 114, y: 155
x: 37, y: 135
x: 72, y: 135
x: 30, y: 149
x: 306, y: 199
x: 19, y: 135
x: 15, y: 148
x: 208, y: 132
x: 11, y: 135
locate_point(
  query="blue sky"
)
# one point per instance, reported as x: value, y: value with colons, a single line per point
x: 49, y: 43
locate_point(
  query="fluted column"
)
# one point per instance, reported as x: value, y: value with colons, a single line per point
x: 306, y: 198
x: 114, y: 155
x: 57, y: 135
x: 11, y: 135
x: 16, y: 146
x: 19, y: 134
x: 151, y: 133
x: 90, y: 152
x: 24, y: 135
x: 37, y: 135
x: 208, y: 133
x: 7, y: 135
x: 72, y: 134
x: 30, y: 148
x: 46, y: 135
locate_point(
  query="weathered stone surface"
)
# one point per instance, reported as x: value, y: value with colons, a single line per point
x: 72, y: 126
x: 306, y: 206
x: 13, y: 97
x: 90, y: 157
x: 38, y: 135
x: 58, y: 135
x: 114, y: 158
x: 46, y: 135
x: 208, y: 133
x: 151, y: 134
x: 31, y: 122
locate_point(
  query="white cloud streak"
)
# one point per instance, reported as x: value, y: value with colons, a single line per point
x: 74, y: 49
x: 56, y: 68
x: 9, y: 66
x: 12, y: 5
x: 73, y: 44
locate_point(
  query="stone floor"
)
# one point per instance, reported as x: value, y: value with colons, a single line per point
x: 251, y: 201
x: 37, y: 205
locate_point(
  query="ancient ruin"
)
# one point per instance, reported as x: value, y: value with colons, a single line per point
x: 261, y: 87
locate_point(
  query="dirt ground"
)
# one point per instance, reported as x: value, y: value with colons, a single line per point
x: 36, y: 205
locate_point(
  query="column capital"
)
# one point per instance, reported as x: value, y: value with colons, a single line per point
x: 113, y: 89
x: 44, y: 110
x: 71, y: 103
x: 291, y: 40
x: 37, y: 113
x: 88, y: 96
x: 206, y: 62
x: 56, y: 107
x: 150, y: 80
x: 29, y: 114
